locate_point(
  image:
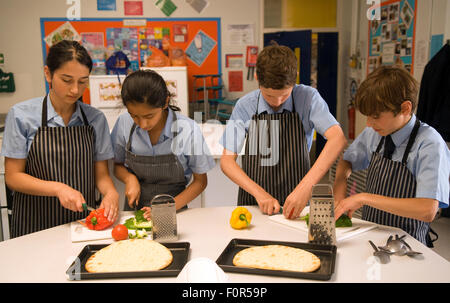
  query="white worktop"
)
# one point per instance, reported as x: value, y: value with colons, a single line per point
x: 45, y: 256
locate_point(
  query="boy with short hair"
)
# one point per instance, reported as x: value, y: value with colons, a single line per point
x: 276, y: 122
x: 408, y: 162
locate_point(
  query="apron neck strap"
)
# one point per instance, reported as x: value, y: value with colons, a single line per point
x: 292, y: 97
x: 134, y: 127
x: 412, y: 138
x: 44, y: 113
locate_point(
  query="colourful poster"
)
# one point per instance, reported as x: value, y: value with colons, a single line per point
x: 126, y: 40
x: 235, y: 81
x: 200, y: 47
x: 106, y: 5
x: 391, y: 37
x: 133, y: 8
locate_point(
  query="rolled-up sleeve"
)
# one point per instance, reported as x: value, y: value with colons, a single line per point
x: 358, y: 153
x: 432, y: 173
x: 320, y: 115
x: 119, y: 140
x: 103, y: 146
x: 233, y: 137
x: 15, y: 138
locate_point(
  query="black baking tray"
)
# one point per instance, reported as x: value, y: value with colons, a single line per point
x: 77, y: 270
x: 326, y: 254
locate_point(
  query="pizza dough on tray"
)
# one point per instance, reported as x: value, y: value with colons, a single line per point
x: 277, y: 257
x: 130, y: 255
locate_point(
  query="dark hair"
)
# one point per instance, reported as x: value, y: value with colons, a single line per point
x: 276, y: 67
x: 65, y: 51
x: 146, y: 86
x: 385, y: 89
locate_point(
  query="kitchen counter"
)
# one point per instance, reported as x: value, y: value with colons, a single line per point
x: 45, y: 256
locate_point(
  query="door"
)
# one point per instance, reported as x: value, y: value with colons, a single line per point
x: 300, y: 43
x: 327, y: 60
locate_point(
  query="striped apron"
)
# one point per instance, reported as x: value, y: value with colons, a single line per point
x: 276, y: 154
x: 161, y: 174
x: 60, y: 154
x: 393, y: 179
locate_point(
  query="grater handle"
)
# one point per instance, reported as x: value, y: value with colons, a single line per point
x: 162, y: 199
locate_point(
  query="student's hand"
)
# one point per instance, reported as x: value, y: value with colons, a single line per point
x: 350, y: 205
x: 110, y: 203
x: 295, y: 203
x: 70, y: 198
x: 147, y: 212
x: 268, y: 204
x: 132, y: 190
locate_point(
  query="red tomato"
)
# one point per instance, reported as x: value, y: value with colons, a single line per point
x: 120, y: 232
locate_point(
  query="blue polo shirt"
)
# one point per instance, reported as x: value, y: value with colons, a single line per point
x: 24, y: 119
x: 191, y: 148
x: 428, y: 160
x: 311, y: 107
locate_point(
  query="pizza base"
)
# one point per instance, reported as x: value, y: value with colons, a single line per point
x: 277, y: 257
x: 130, y: 255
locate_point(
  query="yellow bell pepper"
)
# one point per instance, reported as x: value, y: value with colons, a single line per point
x: 240, y: 218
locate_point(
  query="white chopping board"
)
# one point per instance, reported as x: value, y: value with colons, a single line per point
x: 80, y: 233
x: 358, y: 226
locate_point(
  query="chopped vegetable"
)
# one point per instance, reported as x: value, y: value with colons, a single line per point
x: 343, y: 221
x: 240, y: 218
x: 138, y: 221
x: 97, y: 220
x: 139, y: 234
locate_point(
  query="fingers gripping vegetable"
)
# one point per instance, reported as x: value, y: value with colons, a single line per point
x: 240, y: 218
x: 138, y: 221
x: 97, y: 220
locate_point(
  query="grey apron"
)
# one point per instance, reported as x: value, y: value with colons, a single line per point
x: 61, y: 154
x: 393, y: 179
x: 284, y: 135
x: 161, y: 174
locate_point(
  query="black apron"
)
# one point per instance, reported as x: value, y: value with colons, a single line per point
x: 61, y: 154
x: 393, y: 179
x: 280, y: 169
x: 162, y: 174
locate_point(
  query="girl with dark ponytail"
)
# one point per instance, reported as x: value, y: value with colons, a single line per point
x: 56, y: 149
x: 148, y: 155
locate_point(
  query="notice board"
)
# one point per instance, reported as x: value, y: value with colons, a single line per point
x: 198, y: 37
x: 392, y: 35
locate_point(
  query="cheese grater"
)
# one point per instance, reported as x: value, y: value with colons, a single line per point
x: 321, y: 228
x: 164, y: 218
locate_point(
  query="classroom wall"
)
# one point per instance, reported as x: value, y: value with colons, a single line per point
x: 432, y: 17
x: 20, y: 35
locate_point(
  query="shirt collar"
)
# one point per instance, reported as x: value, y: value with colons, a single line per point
x: 52, y: 114
x: 263, y: 106
x: 403, y: 133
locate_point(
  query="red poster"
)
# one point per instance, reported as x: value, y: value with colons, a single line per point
x: 252, y: 55
x: 134, y: 8
x: 235, y: 81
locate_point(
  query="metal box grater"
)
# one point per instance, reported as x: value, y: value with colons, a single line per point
x: 321, y: 216
x: 164, y: 218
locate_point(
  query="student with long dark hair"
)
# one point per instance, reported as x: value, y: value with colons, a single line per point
x: 56, y: 149
x: 157, y: 150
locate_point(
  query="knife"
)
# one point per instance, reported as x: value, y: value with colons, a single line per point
x: 87, y: 207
